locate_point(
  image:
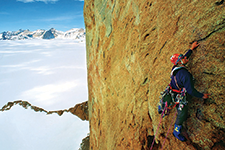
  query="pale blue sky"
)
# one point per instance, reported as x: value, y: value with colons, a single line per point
x: 62, y: 15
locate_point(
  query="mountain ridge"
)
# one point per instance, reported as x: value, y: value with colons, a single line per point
x: 79, y: 110
x: 74, y: 33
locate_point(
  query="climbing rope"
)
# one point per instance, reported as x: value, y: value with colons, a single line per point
x: 159, y: 125
x: 169, y: 129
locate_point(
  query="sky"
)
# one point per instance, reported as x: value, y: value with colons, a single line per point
x: 50, y: 74
x: 62, y: 15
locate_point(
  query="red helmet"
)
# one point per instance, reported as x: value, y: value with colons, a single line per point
x: 176, y: 58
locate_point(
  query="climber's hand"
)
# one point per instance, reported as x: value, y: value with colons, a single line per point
x: 206, y: 95
x: 194, y: 45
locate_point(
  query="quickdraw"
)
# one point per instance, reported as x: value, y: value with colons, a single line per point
x: 180, y: 94
x: 173, y: 97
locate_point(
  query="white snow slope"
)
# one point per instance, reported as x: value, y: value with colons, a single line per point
x: 50, y: 74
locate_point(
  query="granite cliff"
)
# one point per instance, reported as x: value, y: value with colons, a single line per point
x: 129, y: 44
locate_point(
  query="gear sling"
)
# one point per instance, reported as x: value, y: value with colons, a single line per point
x: 173, y: 97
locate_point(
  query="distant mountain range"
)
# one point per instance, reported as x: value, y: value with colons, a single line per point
x: 74, y: 33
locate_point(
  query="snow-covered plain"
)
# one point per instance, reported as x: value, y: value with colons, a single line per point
x: 50, y: 74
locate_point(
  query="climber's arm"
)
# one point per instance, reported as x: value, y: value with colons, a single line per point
x: 189, y: 52
x: 194, y: 45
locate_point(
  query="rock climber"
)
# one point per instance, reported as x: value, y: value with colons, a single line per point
x: 181, y: 78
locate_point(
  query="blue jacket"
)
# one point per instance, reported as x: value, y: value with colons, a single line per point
x: 184, y: 79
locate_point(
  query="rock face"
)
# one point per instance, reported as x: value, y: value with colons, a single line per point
x: 85, y: 144
x: 49, y: 34
x: 79, y: 110
x: 129, y: 45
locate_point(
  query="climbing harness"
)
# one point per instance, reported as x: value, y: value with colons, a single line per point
x: 173, y: 97
x: 159, y: 124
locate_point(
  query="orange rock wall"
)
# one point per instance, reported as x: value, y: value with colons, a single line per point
x: 129, y: 44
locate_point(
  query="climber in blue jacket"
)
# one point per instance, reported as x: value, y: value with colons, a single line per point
x: 181, y: 78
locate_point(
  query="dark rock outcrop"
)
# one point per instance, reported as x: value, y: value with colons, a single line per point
x: 79, y: 110
x: 4, y: 35
x: 49, y: 34
x: 85, y: 144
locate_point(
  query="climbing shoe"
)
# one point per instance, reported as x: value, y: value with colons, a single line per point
x: 177, y: 134
x: 160, y: 110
